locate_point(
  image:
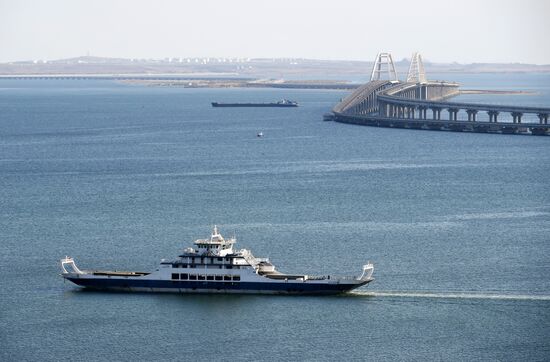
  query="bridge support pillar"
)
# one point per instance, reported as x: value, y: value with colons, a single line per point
x: 517, y: 117
x: 543, y: 118
x: 453, y: 112
x: 472, y: 114
x: 436, y: 113
x: 422, y: 111
x: 382, y: 109
x: 493, y: 116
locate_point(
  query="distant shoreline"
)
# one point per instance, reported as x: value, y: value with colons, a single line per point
x: 256, y: 83
x: 254, y: 68
x: 490, y: 91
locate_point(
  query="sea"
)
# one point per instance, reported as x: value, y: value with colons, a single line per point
x: 120, y: 176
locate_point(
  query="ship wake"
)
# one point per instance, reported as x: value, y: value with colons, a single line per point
x: 450, y: 295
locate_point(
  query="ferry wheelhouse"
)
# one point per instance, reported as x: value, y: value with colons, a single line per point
x: 214, y: 266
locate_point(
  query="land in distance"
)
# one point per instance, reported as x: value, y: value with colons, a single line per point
x: 242, y: 67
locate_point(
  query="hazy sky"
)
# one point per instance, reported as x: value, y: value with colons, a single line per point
x: 443, y: 31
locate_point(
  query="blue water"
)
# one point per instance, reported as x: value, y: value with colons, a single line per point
x: 119, y: 177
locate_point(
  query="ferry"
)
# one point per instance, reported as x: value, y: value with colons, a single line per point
x: 213, y: 265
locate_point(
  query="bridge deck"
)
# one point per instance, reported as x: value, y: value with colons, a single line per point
x: 445, y: 125
x: 359, y: 95
x: 444, y: 122
x: 463, y: 105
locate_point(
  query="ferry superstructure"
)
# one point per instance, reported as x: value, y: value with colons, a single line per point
x: 214, y: 266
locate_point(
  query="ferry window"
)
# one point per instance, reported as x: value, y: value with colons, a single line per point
x: 236, y: 277
x: 192, y: 277
x: 184, y: 266
x: 219, y: 277
x: 183, y: 277
x: 227, y: 277
x: 227, y: 259
x: 175, y: 276
x: 201, y: 277
x: 193, y: 260
x: 220, y: 259
x: 229, y: 266
x: 209, y: 277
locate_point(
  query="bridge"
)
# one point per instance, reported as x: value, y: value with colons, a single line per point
x: 418, y: 104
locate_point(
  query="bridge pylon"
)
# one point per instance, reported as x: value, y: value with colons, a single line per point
x: 384, y: 64
x: 417, y: 74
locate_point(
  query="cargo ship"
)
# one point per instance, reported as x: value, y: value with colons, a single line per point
x: 281, y: 103
x: 213, y: 265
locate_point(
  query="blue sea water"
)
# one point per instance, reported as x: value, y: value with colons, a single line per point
x: 121, y: 176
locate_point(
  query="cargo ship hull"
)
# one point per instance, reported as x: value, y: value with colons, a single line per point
x: 281, y: 105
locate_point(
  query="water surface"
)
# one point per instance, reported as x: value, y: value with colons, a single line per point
x: 121, y: 176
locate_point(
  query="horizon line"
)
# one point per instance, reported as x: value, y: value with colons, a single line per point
x: 230, y: 59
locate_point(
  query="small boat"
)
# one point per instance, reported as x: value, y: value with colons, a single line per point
x: 260, y: 134
x: 281, y: 103
x: 213, y: 265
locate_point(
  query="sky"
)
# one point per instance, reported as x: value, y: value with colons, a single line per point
x: 464, y: 31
